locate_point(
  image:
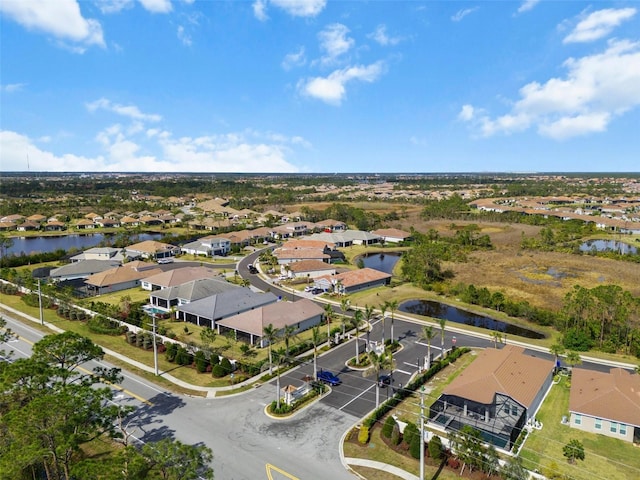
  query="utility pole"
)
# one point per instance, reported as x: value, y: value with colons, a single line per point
x: 40, y: 303
x: 155, y: 346
x: 421, y: 433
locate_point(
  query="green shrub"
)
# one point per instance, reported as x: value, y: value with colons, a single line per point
x: 183, y: 357
x: 410, y: 430
x: 387, y: 428
x: 226, y: 365
x: 363, y: 435
x: 215, y: 359
x: 395, y: 435
x: 435, y: 447
x: 172, y: 351
x: 414, y: 446
x: 284, y: 408
x: 103, y: 325
x: 201, y: 362
x: 217, y: 371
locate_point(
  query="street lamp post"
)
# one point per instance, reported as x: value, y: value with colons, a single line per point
x: 40, y: 303
x: 155, y: 346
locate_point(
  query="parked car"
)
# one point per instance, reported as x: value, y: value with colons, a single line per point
x: 165, y: 260
x: 329, y: 378
x: 317, y: 291
x: 384, y: 380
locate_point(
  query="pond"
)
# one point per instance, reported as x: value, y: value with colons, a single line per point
x: 608, y: 246
x: 452, y: 314
x: 30, y: 245
x: 383, y: 262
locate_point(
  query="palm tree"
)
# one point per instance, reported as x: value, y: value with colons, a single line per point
x: 328, y: 313
x: 392, y: 305
x: 497, y: 337
x: 270, y: 334
x: 378, y: 363
x: 357, y: 319
x: 428, y: 333
x: 315, y: 339
x: 442, y: 322
x: 383, y: 312
x: 345, y: 305
x: 288, y: 333
x: 281, y: 360
x: 556, y: 350
x: 572, y: 359
x: 369, y: 312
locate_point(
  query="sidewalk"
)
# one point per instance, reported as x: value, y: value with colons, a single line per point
x: 363, y: 462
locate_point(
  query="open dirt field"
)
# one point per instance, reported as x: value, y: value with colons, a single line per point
x: 541, y: 278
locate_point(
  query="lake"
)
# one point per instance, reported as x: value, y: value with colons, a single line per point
x: 452, y: 314
x: 608, y: 246
x: 383, y: 262
x: 30, y: 245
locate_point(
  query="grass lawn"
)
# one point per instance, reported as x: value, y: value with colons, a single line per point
x: 605, y: 457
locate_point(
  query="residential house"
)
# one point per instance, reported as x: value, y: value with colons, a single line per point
x: 151, y: 249
x: 496, y: 394
x: 310, y: 269
x: 347, y: 238
x: 606, y: 403
x: 207, y: 311
x: 85, y: 224
x: 100, y: 253
x: 249, y: 325
x: 82, y: 269
x: 28, y: 226
x: 208, y: 246
x: 176, y: 276
x: 126, y: 276
x: 353, y: 280
x: 178, y: 295
x: 392, y: 235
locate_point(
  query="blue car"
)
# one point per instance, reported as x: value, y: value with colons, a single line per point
x: 328, y: 378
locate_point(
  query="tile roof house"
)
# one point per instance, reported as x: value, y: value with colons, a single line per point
x: 392, y: 235
x: 311, y: 269
x: 249, y: 325
x: 496, y: 394
x: 606, y: 403
x: 82, y: 269
x: 100, y: 253
x: 353, y: 280
x: 188, y: 292
x: 176, y: 276
x: 347, y: 238
x: 152, y: 249
x: 208, y: 246
x: 129, y: 275
x: 207, y: 311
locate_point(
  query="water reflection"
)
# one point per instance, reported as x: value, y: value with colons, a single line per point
x: 383, y: 262
x: 608, y: 246
x: 440, y: 310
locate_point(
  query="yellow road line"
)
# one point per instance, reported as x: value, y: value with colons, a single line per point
x: 274, y: 468
x: 117, y: 387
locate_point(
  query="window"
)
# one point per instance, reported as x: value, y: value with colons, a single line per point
x: 598, y: 424
x: 514, y: 410
x: 577, y: 419
x: 623, y: 429
x: 614, y: 427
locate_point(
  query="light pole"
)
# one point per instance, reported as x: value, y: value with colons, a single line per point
x: 155, y: 346
x: 421, y: 433
x: 40, y: 303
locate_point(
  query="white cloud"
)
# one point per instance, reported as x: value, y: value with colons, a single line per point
x: 301, y: 8
x: 599, y: 24
x: 12, y: 87
x: 527, y: 5
x: 466, y: 113
x: 334, y: 42
x: 259, y: 10
x: 380, y: 36
x: 294, y: 59
x: 130, y: 111
x: 332, y: 89
x: 157, y: 6
x: 596, y: 89
x: 184, y: 37
x: 460, y: 14
x: 61, y: 18
x: 113, y: 6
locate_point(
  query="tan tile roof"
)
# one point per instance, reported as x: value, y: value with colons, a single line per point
x: 310, y: 265
x: 123, y: 274
x: 178, y: 276
x: 300, y: 253
x: 305, y: 243
x: 612, y: 396
x: 508, y: 371
x: 358, y: 277
x: 279, y: 314
x: 150, y: 246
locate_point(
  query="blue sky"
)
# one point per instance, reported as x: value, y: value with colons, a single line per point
x: 319, y: 86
